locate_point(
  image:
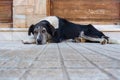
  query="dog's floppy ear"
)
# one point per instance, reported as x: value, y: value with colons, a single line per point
x: 31, y: 29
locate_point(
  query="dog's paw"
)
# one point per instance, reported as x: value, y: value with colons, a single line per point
x: 28, y: 41
x: 25, y: 42
x: 104, y: 41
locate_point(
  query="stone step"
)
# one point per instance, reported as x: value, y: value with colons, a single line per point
x: 112, y: 31
x: 13, y: 33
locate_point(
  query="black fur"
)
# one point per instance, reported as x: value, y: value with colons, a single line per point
x: 69, y: 30
x: 31, y: 30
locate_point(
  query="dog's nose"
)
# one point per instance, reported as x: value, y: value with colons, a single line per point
x: 39, y: 41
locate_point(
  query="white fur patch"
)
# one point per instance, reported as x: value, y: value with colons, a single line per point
x: 53, y: 20
x: 114, y: 41
x: 29, y: 40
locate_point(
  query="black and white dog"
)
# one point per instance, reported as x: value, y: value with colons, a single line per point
x: 58, y: 29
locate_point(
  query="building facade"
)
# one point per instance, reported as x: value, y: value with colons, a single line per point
x: 24, y: 12
x: 17, y: 15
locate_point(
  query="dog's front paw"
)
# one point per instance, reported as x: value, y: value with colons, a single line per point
x: 29, y: 41
x: 104, y: 41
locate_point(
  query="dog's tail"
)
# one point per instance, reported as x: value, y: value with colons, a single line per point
x: 113, y: 41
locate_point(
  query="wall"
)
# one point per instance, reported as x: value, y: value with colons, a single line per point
x: 27, y: 12
x: 87, y: 11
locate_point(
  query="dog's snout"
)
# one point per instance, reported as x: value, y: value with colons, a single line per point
x: 39, y: 41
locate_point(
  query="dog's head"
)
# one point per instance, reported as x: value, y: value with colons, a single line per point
x: 41, y: 31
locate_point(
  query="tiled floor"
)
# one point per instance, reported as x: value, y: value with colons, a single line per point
x: 63, y: 61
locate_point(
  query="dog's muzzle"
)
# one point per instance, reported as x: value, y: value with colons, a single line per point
x: 38, y: 41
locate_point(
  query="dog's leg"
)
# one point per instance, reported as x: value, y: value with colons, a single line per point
x: 29, y: 40
x: 80, y: 39
x: 101, y: 40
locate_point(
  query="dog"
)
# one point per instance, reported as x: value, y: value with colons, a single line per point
x: 56, y: 29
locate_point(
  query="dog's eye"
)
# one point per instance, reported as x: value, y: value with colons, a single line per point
x: 43, y: 31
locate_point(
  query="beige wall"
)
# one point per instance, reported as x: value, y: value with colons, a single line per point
x: 27, y: 12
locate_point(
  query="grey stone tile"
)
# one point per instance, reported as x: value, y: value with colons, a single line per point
x: 16, y: 65
x: 18, y: 55
x: 5, y: 36
x: 1, y: 62
x: 8, y: 65
x: 10, y: 74
x: 115, y: 72
x: 17, y: 58
x: 44, y: 74
x: 97, y: 57
x: 72, y: 56
x: 108, y: 64
x: 46, y: 65
x: 72, y: 64
x: 6, y: 56
x: 87, y: 74
x: 50, y: 57
x: 3, y: 51
x: 51, y: 53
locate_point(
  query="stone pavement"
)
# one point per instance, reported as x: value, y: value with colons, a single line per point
x: 62, y: 61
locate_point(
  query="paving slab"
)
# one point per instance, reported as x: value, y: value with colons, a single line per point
x: 115, y: 72
x: 46, y: 65
x: 87, y: 74
x: 11, y: 74
x: 59, y: 61
x: 76, y: 64
x: 43, y: 74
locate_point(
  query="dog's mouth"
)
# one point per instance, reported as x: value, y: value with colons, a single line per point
x: 40, y: 43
